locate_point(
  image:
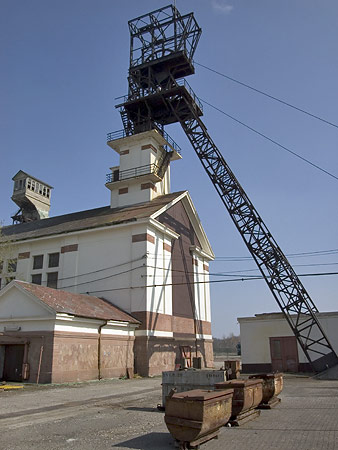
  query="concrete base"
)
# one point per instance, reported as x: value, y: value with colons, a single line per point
x: 329, y: 374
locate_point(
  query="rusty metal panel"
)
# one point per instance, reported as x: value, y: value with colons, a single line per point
x: 272, y: 385
x: 248, y: 394
x: 196, y: 416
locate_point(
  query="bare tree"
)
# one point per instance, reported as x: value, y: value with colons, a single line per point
x: 7, y: 260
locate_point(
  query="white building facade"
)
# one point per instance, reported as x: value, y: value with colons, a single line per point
x: 146, y: 253
x: 268, y: 343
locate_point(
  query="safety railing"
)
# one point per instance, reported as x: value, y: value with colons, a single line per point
x: 120, y: 175
x: 119, y: 134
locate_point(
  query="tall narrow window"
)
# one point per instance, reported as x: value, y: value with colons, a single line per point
x: 11, y: 266
x: 53, y: 259
x: 52, y: 280
x: 37, y: 262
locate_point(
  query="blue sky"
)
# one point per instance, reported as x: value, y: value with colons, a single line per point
x: 64, y: 62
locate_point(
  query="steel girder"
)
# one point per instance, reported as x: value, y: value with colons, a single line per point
x: 287, y: 289
x: 168, y: 41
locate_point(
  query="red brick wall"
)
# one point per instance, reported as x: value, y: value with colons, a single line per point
x: 117, y: 355
x: 182, y: 326
x: 177, y: 219
x: 76, y: 356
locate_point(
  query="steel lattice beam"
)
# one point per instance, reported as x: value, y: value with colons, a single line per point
x: 157, y: 98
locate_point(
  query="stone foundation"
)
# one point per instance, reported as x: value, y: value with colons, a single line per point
x: 153, y: 355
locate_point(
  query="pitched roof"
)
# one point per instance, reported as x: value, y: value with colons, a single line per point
x: 80, y: 305
x: 21, y: 174
x: 92, y: 218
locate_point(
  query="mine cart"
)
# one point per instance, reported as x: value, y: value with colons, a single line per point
x: 247, y: 396
x: 272, y: 386
x: 194, y: 417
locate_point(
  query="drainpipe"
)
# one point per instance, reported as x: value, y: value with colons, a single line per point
x: 99, y: 349
x: 40, y: 360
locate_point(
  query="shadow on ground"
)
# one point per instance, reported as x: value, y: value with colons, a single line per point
x: 150, y: 441
x: 144, y: 409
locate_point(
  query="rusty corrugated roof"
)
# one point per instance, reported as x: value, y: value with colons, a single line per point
x: 92, y: 218
x: 80, y: 305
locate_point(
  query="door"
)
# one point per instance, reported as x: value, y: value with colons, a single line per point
x: 284, y: 354
x: 13, y: 362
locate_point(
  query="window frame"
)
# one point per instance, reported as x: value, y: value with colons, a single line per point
x: 36, y: 275
x: 53, y: 282
x: 34, y: 261
x: 50, y: 255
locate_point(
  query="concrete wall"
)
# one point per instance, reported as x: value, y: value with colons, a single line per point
x: 256, y: 331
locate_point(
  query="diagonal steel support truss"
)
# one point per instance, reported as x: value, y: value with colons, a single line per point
x: 161, y: 53
x: 291, y: 296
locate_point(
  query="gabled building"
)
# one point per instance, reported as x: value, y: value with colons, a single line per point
x: 50, y: 335
x: 146, y: 253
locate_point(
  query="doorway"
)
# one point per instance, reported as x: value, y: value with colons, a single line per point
x: 13, y: 361
x: 284, y: 354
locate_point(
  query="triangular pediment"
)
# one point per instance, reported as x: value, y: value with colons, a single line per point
x: 15, y: 303
x: 202, y: 240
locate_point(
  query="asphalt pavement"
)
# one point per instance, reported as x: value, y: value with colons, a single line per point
x: 123, y: 414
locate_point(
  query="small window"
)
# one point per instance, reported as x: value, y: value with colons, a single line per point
x: 16, y: 187
x: 52, y: 280
x: 11, y: 266
x: 37, y: 262
x: 29, y: 183
x: 48, y: 193
x: 36, y: 278
x: 44, y: 191
x: 53, y: 259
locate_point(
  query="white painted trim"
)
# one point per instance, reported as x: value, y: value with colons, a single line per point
x: 74, y: 329
x: 204, y: 336
x: 122, y: 324
x: 116, y: 332
x: 154, y: 333
x: 77, y: 319
x: 160, y: 227
x: 168, y: 205
x: 278, y: 316
x: 198, y: 251
x: 193, y: 216
x: 15, y: 284
x: 28, y: 319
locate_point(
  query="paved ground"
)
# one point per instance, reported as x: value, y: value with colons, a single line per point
x: 122, y: 415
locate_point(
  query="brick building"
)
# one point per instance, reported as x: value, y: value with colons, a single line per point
x: 146, y: 254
